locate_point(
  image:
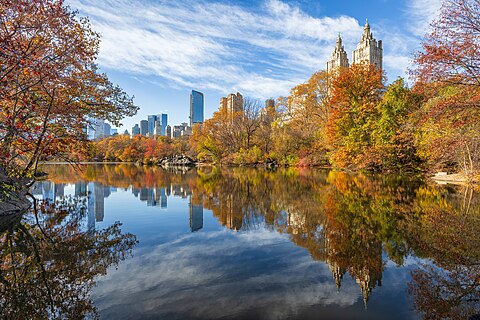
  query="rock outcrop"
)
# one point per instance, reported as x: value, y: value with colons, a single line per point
x: 178, y: 160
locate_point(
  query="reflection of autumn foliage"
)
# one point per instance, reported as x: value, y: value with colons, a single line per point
x: 447, y: 233
x: 346, y: 220
x: 447, y: 294
x: 49, y: 264
x: 361, y: 221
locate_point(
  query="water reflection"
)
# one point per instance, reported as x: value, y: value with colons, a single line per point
x: 355, y: 224
x: 49, y: 262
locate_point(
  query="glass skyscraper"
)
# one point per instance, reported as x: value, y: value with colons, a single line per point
x: 151, y: 123
x: 164, y: 123
x: 196, y: 107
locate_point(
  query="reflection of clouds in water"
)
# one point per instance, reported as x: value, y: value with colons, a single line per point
x: 210, y: 275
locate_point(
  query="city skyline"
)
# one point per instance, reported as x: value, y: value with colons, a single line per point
x: 262, y: 50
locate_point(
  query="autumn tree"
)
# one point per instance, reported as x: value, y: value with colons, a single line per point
x: 228, y: 132
x: 264, y: 137
x: 300, y: 136
x: 447, y: 71
x: 356, y: 91
x: 451, y: 51
x: 50, y: 84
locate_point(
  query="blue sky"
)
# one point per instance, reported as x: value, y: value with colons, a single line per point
x: 160, y: 50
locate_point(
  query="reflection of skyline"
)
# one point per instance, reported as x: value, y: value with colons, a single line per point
x: 196, y: 216
x: 48, y: 190
x: 96, y: 193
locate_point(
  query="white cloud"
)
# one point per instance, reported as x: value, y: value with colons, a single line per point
x: 218, y: 46
x: 261, y: 51
x: 215, y: 274
x: 422, y: 13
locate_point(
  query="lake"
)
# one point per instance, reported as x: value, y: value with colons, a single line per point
x: 130, y: 242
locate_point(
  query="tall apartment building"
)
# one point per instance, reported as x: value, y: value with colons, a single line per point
x: 232, y: 103
x: 196, y: 107
x: 368, y: 51
x: 338, y: 58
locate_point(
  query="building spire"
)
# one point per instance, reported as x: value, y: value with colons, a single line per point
x: 339, y: 41
x: 366, y: 28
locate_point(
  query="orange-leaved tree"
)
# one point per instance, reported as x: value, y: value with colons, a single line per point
x: 355, y: 93
x: 50, y: 84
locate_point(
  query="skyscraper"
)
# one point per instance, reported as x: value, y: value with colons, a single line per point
x: 95, y: 129
x: 144, y: 127
x: 151, y: 124
x: 196, y: 107
x: 135, y: 130
x: 157, y: 130
x: 106, y: 129
x: 164, y: 123
x: 169, y: 131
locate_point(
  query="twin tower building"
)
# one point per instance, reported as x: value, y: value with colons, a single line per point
x: 368, y: 51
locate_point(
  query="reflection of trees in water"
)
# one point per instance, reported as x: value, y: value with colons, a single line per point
x: 346, y: 221
x: 343, y: 220
x: 448, y: 234
x: 49, y: 262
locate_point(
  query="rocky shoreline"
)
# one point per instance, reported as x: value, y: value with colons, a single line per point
x: 176, y: 161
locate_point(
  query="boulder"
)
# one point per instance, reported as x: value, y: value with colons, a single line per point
x: 178, y: 160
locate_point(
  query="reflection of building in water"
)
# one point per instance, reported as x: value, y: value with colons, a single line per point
x: 91, y: 206
x: 368, y: 274
x: 48, y: 190
x: 229, y: 213
x: 99, y: 192
x: 135, y: 191
x: 96, y: 202
x: 196, y: 216
x: 181, y: 191
x: 163, y: 198
x: 155, y: 197
x: 59, y: 190
x: 296, y: 222
x: 143, y: 194
x: 361, y: 257
x: 80, y: 189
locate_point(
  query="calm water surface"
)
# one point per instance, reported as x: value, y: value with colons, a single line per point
x: 127, y: 242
